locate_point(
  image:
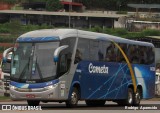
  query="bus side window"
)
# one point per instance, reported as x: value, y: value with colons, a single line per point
x: 93, y: 50
x: 120, y: 57
x: 66, y: 55
x: 133, y: 54
x: 78, y: 56
x: 110, y: 53
x: 100, y: 55
x: 63, y: 64
x: 143, y: 55
x: 150, y: 55
x: 102, y: 50
x: 82, y: 51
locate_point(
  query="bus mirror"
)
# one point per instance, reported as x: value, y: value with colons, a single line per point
x: 6, y: 62
x: 7, y: 55
x: 57, y: 51
x: 6, y: 67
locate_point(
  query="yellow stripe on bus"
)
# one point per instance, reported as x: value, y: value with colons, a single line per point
x: 129, y: 65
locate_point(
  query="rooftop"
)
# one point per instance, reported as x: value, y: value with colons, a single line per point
x: 145, y: 6
x: 61, y: 13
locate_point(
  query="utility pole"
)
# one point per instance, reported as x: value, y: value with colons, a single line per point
x: 69, y: 16
x: 70, y: 9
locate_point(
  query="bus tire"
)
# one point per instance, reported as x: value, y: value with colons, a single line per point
x: 73, y: 100
x: 95, y: 102
x: 33, y: 102
x: 137, y: 97
x: 130, y: 97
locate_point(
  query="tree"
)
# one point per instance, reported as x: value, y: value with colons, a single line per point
x: 9, y: 1
x: 114, y: 4
x: 53, y: 5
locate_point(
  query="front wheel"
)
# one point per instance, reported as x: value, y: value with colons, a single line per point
x: 73, y: 100
x: 33, y: 102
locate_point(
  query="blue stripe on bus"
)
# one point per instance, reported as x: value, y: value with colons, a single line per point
x: 34, y: 85
x: 37, y: 39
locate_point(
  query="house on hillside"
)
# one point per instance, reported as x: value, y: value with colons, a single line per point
x: 5, y: 5
x: 68, y: 5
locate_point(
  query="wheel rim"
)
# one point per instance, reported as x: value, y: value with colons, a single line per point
x: 130, y: 98
x: 137, y: 98
x: 74, y: 98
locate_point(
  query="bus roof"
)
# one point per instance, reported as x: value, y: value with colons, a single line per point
x: 59, y: 34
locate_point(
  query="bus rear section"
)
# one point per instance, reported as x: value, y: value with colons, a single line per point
x: 107, y: 71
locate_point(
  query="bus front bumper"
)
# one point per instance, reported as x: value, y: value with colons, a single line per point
x: 50, y: 93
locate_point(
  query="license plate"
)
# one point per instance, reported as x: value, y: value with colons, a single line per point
x: 30, y: 96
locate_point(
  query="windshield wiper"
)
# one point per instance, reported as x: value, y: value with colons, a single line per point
x: 38, y: 69
x: 23, y: 72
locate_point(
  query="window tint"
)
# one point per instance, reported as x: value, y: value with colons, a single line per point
x: 82, y: 51
x: 102, y: 50
x: 65, y: 55
x: 120, y: 57
x: 141, y: 54
x: 133, y: 53
x: 93, y: 51
x: 111, y: 53
x: 78, y: 56
x: 107, y: 51
x: 150, y: 55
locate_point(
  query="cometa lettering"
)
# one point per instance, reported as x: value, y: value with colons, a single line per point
x: 97, y: 69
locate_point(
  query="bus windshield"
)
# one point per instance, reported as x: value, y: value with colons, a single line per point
x: 33, y: 62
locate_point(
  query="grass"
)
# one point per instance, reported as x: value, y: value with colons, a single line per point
x: 4, y: 98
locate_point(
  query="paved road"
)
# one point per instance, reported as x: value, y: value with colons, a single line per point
x: 81, y: 108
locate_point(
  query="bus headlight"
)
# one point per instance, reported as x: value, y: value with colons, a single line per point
x: 50, y: 87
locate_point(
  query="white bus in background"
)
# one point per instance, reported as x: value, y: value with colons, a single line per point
x: 157, y: 82
x: 5, y: 73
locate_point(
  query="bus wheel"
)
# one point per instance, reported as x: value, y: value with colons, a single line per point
x: 95, y: 102
x: 33, y: 102
x: 73, y: 100
x: 130, y: 97
x: 137, y: 97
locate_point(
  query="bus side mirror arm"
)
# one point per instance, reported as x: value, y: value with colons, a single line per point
x: 5, y: 53
x: 57, y: 52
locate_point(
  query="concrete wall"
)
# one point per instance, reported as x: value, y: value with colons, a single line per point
x: 63, y: 20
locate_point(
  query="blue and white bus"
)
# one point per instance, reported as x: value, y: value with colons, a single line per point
x: 68, y: 65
